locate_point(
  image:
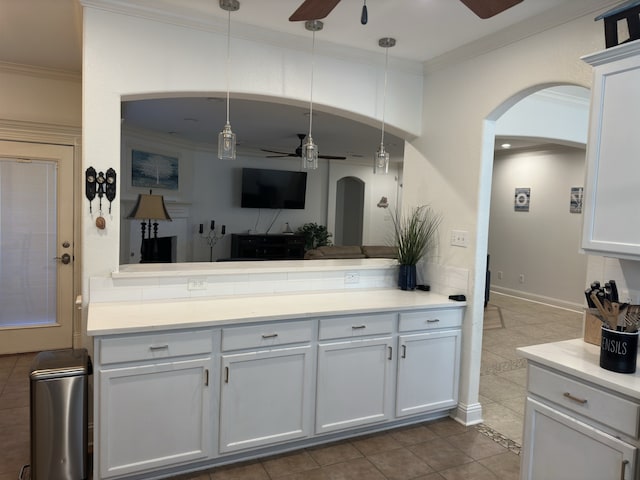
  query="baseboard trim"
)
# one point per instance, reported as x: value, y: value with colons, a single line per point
x: 532, y: 297
x: 468, y: 415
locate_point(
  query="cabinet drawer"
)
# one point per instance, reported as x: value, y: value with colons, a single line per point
x: 356, y: 325
x: 152, y: 346
x: 610, y: 410
x: 265, y: 335
x: 427, y: 319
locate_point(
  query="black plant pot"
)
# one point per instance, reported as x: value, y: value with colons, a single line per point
x: 407, y: 277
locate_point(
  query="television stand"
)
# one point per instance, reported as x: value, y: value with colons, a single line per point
x: 267, y: 247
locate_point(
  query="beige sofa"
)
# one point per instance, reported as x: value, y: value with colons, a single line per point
x: 365, y: 251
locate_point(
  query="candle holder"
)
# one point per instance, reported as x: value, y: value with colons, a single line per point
x: 211, y: 237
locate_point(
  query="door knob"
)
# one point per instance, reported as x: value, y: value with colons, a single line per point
x: 65, y: 258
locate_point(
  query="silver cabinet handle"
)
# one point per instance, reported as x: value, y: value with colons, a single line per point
x: 434, y: 320
x: 269, y: 335
x: 581, y: 401
x: 404, y: 351
x: 624, y: 467
x: 358, y: 327
x: 159, y: 347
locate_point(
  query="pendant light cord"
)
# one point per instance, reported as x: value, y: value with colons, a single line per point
x: 384, y: 95
x: 313, y: 50
x: 228, y: 59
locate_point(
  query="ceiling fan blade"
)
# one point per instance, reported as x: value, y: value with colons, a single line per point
x: 313, y: 10
x: 275, y: 151
x: 331, y: 157
x: 489, y: 8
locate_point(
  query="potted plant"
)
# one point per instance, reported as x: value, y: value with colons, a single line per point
x: 415, y: 235
x: 314, y: 236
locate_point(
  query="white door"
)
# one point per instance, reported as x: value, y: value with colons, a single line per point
x: 557, y: 446
x: 354, y: 383
x: 36, y: 247
x: 264, y: 397
x: 428, y: 372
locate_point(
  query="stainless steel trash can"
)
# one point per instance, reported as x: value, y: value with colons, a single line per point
x: 59, y: 397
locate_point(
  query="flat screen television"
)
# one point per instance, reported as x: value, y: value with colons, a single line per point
x: 262, y: 188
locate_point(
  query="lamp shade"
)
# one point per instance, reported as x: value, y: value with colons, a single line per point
x: 150, y: 207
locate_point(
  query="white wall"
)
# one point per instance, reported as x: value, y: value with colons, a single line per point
x: 541, y: 244
x: 450, y: 164
x: 132, y: 57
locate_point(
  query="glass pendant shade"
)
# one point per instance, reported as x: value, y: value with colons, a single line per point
x: 227, y: 144
x: 381, y: 160
x: 309, y: 154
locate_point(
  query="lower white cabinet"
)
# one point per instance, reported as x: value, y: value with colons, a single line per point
x: 354, y: 384
x: 428, y: 371
x: 264, y: 397
x: 557, y: 446
x: 155, y: 412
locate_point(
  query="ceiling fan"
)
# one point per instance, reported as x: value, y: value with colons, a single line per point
x: 298, y: 152
x: 317, y: 9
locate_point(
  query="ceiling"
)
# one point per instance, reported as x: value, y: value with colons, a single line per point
x: 48, y: 34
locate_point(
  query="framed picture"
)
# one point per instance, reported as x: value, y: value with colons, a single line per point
x: 522, y: 199
x: 575, y: 200
x: 154, y: 170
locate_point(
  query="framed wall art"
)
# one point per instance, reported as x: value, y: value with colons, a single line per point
x: 575, y: 200
x: 522, y: 199
x: 154, y: 170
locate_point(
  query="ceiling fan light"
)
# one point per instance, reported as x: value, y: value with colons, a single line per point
x: 309, y: 155
x: 381, y: 161
x: 227, y: 144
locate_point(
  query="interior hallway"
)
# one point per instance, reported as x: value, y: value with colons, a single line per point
x: 430, y: 451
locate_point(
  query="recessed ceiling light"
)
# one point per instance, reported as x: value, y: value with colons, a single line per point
x: 506, y: 145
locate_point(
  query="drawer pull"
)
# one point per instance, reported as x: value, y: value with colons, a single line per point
x: 434, y: 320
x: 624, y: 467
x: 358, y: 327
x: 581, y: 401
x: 159, y: 347
x: 269, y: 335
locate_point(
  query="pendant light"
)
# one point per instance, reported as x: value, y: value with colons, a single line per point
x: 310, y: 149
x: 226, y: 138
x: 381, y: 159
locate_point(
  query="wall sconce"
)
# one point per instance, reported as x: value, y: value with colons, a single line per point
x: 211, y: 237
x: 149, y: 207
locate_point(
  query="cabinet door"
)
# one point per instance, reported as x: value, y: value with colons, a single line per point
x: 611, y: 215
x: 354, y: 383
x: 560, y: 447
x: 428, y: 372
x: 265, y: 397
x: 154, y: 416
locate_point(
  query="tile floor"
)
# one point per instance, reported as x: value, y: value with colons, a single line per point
x: 431, y: 451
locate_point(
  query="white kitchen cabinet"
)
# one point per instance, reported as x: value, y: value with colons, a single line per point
x: 611, y: 215
x: 428, y: 360
x: 154, y: 401
x: 560, y: 447
x: 428, y: 371
x: 355, y: 375
x: 265, y: 392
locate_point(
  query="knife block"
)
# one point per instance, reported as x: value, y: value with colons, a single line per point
x: 592, y: 329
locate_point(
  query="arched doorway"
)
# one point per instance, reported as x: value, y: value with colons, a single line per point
x: 349, y: 211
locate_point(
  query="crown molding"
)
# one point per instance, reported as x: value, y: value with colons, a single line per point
x: 18, y: 130
x: 41, y: 72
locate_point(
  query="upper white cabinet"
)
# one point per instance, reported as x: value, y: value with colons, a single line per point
x: 611, y: 215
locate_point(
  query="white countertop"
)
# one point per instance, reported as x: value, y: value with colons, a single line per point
x: 582, y: 360
x: 144, y: 316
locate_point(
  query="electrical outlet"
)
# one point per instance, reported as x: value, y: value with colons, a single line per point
x: 459, y: 238
x: 499, y: 274
x: 196, y: 284
x: 351, y: 277
x: 521, y: 278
